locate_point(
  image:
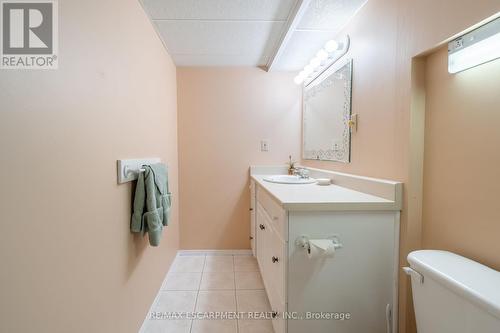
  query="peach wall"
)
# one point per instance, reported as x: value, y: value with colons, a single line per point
x: 462, y: 160
x: 385, y: 36
x: 223, y: 115
x: 68, y: 260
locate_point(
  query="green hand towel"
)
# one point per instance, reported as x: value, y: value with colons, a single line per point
x: 136, y: 224
x: 152, y: 203
x: 164, y: 199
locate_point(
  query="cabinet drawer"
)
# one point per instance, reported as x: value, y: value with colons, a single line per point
x: 276, y: 213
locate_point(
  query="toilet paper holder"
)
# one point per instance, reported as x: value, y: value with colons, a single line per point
x: 303, y: 241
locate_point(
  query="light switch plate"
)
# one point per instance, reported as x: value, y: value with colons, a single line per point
x: 264, y: 145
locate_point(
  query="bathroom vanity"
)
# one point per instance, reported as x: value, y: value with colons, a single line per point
x: 354, y: 288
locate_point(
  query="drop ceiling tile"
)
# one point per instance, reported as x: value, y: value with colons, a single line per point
x: 301, y: 48
x: 329, y: 15
x: 219, y: 9
x: 187, y: 60
x: 219, y: 38
x: 245, y: 32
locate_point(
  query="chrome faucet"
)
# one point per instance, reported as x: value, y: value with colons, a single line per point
x: 303, y: 173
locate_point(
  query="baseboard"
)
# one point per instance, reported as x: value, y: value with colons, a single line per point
x: 214, y: 252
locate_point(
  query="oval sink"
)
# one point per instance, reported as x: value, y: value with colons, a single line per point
x: 287, y: 179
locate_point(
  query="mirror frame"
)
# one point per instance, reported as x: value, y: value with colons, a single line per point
x: 324, y: 80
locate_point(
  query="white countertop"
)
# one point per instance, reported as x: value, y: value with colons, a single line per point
x: 317, y: 197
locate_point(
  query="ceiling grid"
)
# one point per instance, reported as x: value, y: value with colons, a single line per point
x: 246, y: 32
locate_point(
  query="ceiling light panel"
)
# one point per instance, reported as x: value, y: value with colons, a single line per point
x: 322, y: 20
x: 329, y: 15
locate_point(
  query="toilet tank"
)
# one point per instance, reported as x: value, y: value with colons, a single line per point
x: 453, y: 294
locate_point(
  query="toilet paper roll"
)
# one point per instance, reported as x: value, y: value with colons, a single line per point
x: 321, y: 248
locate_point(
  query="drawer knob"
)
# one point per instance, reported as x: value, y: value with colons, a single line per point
x: 250, y: 237
x: 262, y: 227
x: 275, y: 259
x: 274, y: 314
x: 250, y: 209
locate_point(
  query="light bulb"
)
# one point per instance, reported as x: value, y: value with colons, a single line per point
x: 308, y: 70
x: 315, y: 63
x: 331, y: 46
x: 298, y: 79
x: 322, y: 55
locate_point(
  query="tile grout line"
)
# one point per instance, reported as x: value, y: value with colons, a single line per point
x: 236, y: 298
x: 198, y: 291
x: 204, y: 267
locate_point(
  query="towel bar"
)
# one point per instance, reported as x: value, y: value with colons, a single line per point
x: 129, y: 170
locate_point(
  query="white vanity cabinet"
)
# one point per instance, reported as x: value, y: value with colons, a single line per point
x: 252, y: 217
x: 271, y: 221
x: 361, y: 278
x: 359, y: 281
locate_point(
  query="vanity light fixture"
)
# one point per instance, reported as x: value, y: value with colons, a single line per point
x: 330, y: 53
x: 475, y: 48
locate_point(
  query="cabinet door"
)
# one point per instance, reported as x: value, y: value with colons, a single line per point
x: 266, y: 239
x: 262, y: 230
x: 252, y: 218
x: 360, y: 279
x: 277, y: 284
x: 277, y: 261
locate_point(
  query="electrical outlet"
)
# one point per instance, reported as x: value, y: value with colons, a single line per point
x: 264, y: 145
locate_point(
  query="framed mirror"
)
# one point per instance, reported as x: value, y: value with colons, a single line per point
x: 326, y: 115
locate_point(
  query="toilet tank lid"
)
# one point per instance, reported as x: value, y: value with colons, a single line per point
x: 472, y: 280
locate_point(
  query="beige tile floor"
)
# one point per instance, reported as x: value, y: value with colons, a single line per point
x: 211, y: 283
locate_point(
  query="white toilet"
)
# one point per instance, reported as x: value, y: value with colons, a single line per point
x: 453, y: 294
